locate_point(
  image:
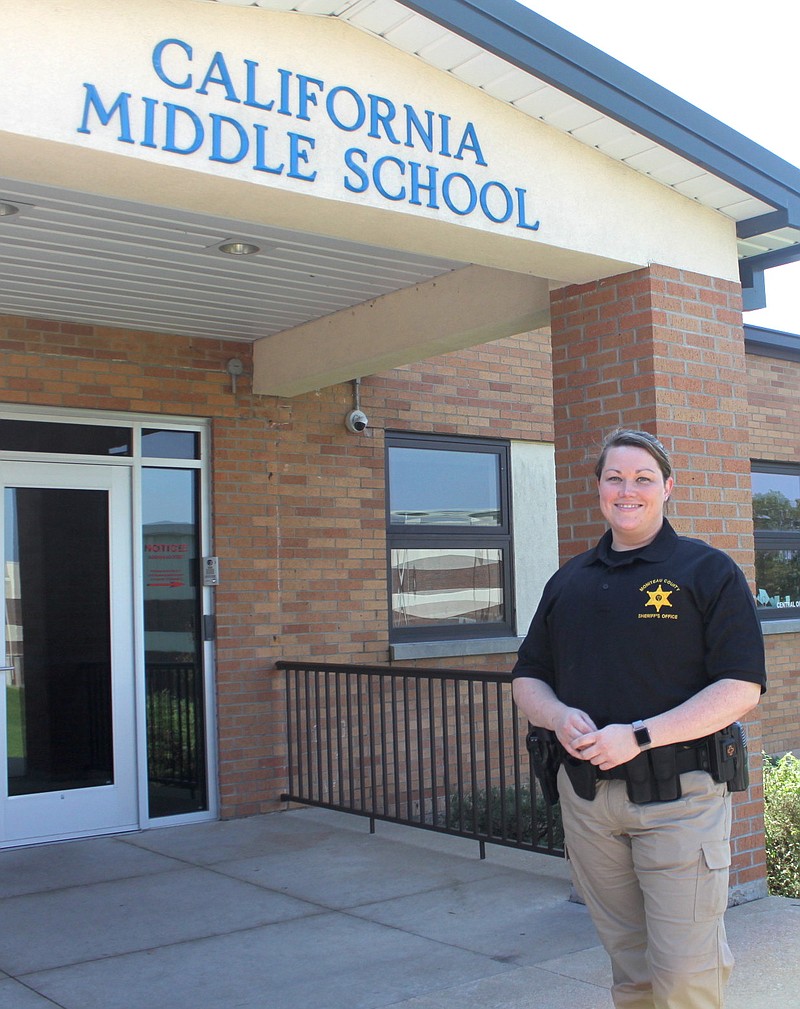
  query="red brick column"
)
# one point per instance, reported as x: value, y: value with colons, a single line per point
x: 663, y: 350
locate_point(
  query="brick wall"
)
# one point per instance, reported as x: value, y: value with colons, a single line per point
x: 661, y: 349
x: 298, y: 502
x: 774, y: 429
x: 748, y: 869
x: 780, y: 706
x: 774, y: 416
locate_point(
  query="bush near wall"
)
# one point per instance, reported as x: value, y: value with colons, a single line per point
x: 782, y: 824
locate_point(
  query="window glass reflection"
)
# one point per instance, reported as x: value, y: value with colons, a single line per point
x: 778, y: 579
x: 440, y: 487
x: 72, y: 439
x: 173, y: 646
x: 59, y: 727
x: 448, y: 586
x: 776, y: 501
x: 170, y: 444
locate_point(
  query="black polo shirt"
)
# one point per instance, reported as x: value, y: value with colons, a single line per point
x: 631, y: 634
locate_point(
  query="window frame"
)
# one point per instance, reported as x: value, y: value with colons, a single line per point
x: 494, y: 537
x: 770, y: 539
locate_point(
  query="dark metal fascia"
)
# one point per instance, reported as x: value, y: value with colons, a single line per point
x: 751, y: 269
x: 754, y: 288
x: 772, y: 343
x: 533, y: 44
x: 767, y: 260
x: 763, y: 224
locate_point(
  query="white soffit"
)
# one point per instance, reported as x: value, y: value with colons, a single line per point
x: 417, y: 35
x: 66, y: 255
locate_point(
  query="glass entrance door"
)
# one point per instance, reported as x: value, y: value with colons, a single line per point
x: 67, y: 712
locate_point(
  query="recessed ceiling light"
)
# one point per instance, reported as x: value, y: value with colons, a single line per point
x: 12, y: 208
x: 235, y: 248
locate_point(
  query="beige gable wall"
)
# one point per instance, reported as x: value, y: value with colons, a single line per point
x: 597, y: 217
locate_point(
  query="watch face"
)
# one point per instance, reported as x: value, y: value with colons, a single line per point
x: 642, y: 735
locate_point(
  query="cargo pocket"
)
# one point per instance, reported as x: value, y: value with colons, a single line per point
x: 711, y: 891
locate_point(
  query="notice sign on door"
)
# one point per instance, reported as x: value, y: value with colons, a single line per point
x: 168, y: 561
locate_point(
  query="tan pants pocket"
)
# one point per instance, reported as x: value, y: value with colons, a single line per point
x: 711, y: 891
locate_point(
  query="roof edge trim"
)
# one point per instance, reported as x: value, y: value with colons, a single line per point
x: 774, y: 343
x: 544, y: 49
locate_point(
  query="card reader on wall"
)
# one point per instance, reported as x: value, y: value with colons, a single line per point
x: 211, y: 571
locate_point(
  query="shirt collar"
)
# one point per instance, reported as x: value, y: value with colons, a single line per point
x: 658, y: 550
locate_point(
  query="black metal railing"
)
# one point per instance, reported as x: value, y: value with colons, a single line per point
x: 440, y: 749
x: 174, y: 727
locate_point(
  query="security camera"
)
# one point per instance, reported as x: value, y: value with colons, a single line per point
x: 356, y: 421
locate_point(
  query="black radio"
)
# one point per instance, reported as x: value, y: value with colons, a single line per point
x: 727, y: 754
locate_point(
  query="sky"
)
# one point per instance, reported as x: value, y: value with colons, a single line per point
x: 733, y: 59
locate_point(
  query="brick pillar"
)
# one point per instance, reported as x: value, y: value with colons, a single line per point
x: 662, y: 349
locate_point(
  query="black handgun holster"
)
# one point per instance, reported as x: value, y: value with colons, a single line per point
x: 582, y: 775
x: 545, y: 754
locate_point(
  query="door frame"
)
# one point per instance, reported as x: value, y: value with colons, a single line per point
x: 135, y: 463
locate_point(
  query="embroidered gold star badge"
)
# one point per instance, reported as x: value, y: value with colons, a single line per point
x: 659, y: 598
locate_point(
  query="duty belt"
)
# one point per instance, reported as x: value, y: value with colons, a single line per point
x: 654, y: 775
x: 688, y: 757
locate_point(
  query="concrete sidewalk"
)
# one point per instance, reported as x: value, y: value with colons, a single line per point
x: 307, y: 910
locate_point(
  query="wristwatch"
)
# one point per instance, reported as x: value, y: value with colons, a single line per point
x: 642, y: 734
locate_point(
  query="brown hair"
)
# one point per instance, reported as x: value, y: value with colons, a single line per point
x: 638, y: 439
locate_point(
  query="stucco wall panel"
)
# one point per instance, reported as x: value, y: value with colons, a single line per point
x: 597, y: 216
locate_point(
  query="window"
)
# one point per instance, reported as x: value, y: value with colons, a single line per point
x: 22, y: 435
x: 776, y: 522
x: 449, y: 538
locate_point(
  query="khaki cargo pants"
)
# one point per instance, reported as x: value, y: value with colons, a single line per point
x: 655, y: 881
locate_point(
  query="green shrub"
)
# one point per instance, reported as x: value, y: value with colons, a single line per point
x: 506, y: 810
x: 171, y: 737
x: 782, y: 824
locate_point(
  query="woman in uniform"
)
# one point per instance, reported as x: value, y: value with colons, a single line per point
x: 641, y: 649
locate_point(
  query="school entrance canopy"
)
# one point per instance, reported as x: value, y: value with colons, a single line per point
x: 351, y: 185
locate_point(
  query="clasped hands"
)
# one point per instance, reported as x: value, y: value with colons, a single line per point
x: 605, y: 748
